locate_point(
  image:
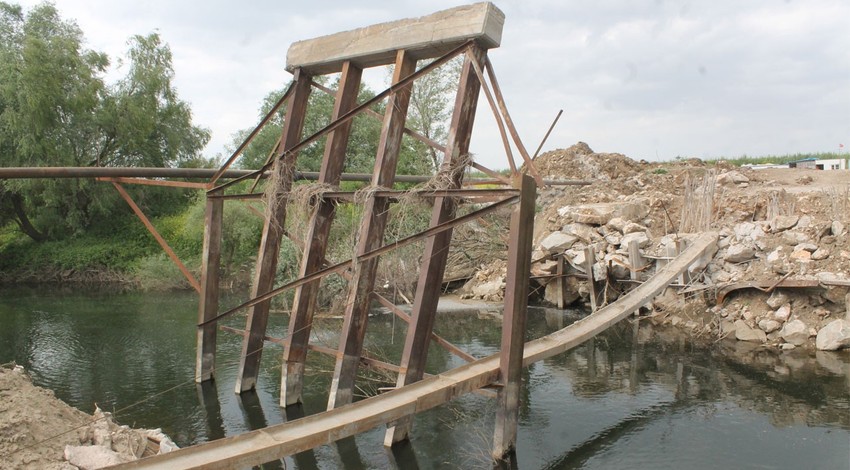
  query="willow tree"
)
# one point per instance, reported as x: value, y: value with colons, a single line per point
x: 56, y: 110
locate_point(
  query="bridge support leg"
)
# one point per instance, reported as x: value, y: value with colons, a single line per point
x: 284, y: 169
x: 301, y: 318
x: 436, y: 252
x: 208, y: 304
x: 371, y: 237
x: 514, y: 319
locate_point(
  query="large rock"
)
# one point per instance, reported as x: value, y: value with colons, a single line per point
x: 571, y: 293
x: 92, y: 457
x: 739, y: 253
x: 602, y: 213
x: 641, y: 238
x: 820, y: 254
x: 783, y: 222
x: 837, y: 228
x: 557, y: 242
x: 778, y: 299
x: 795, y: 332
x: 581, y: 231
x: 743, y: 332
x: 769, y: 326
x: 834, y: 336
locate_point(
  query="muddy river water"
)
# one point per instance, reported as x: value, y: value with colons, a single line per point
x: 632, y: 398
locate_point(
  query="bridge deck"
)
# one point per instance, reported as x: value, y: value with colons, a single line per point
x: 275, y: 442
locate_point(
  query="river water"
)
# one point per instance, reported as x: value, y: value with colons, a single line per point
x: 631, y: 398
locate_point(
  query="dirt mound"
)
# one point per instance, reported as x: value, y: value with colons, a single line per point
x: 581, y: 162
x: 39, y: 431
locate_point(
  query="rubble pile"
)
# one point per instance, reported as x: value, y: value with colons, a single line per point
x: 772, y: 226
x: 37, y: 430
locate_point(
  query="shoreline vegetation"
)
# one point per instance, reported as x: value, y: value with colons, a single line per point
x: 122, y: 252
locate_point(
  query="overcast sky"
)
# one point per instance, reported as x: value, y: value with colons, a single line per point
x: 652, y: 79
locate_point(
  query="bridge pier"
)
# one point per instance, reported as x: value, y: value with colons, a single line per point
x: 208, y: 304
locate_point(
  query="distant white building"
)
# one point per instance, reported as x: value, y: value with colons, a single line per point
x: 815, y: 164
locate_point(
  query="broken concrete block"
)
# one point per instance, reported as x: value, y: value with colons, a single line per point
x: 557, y: 242
x: 783, y: 312
x: 783, y: 222
x: 743, y: 332
x: 820, y: 254
x: 777, y: 299
x: 739, y: 253
x: 641, y: 238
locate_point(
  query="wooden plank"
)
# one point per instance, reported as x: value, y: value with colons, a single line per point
x: 304, y: 302
x: 636, y: 263
x: 252, y: 345
x: 162, y: 243
x: 278, y: 441
x: 425, y: 37
x: 435, y: 254
x: 514, y: 319
x: 371, y: 237
x: 208, y: 302
x: 476, y: 65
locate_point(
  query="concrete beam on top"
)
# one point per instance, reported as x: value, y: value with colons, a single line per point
x: 425, y: 37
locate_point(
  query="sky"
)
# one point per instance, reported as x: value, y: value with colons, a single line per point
x: 652, y: 79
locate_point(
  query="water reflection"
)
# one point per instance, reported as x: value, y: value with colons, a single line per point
x: 634, y: 397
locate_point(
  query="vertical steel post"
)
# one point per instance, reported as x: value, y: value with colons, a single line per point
x: 436, y: 251
x: 208, y: 303
x: 514, y: 319
x: 371, y: 237
x: 301, y: 319
x: 284, y: 170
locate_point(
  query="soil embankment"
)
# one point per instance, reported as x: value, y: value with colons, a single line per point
x: 39, y: 431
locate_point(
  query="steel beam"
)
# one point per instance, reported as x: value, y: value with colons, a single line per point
x: 371, y: 237
x: 284, y: 169
x: 301, y: 318
x: 415, y: 352
x: 208, y: 304
x: 514, y: 319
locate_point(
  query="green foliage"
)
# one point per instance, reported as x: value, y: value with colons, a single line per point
x: 56, y: 110
x: 158, y: 272
x: 660, y: 171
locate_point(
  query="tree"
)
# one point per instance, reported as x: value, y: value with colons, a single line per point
x: 56, y: 110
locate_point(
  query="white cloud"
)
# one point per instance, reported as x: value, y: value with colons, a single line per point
x: 638, y: 77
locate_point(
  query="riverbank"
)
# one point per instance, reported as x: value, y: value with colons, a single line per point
x: 783, y: 231
x: 39, y: 431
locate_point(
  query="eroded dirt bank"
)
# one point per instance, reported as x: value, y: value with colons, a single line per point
x: 39, y: 431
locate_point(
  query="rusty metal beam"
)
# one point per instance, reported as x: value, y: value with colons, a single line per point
x: 280, y: 440
x: 162, y: 243
x: 371, y: 236
x: 529, y: 163
x: 435, y: 254
x: 313, y: 260
x: 394, y: 88
x: 514, y: 319
x: 434, y: 336
x: 143, y: 181
x: 267, y: 259
x: 376, y: 115
x: 218, y: 174
x: 372, y: 254
x: 208, y: 302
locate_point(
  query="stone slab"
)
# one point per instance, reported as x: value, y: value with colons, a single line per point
x: 425, y: 37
